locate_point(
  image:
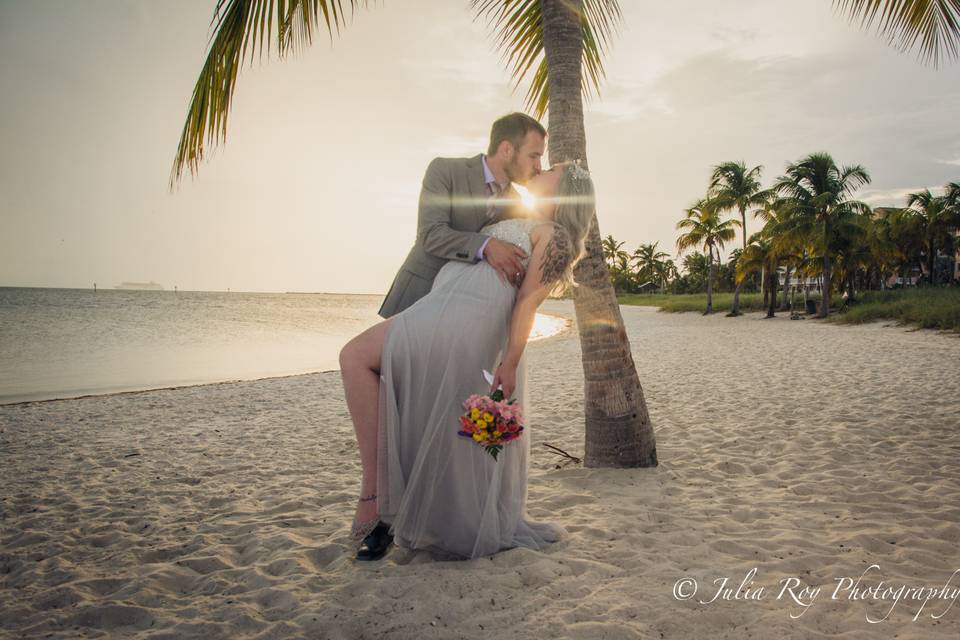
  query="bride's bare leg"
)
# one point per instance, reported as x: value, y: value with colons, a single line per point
x: 360, y: 371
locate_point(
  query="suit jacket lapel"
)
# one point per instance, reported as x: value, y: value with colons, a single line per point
x: 513, y: 196
x: 478, y: 189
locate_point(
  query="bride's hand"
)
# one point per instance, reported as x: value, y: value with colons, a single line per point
x: 506, y: 376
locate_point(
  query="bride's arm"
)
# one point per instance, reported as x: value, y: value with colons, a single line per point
x: 534, y: 290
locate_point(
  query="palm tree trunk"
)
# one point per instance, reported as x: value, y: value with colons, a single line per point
x: 764, y: 286
x: 825, y: 289
x: 735, y: 310
x: 825, y: 295
x: 774, y: 283
x: 709, y: 281
x: 787, y: 302
x: 618, y: 432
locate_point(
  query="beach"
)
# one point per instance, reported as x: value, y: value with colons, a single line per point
x: 792, y: 454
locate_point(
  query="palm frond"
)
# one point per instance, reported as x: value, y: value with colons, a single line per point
x: 236, y: 26
x: 517, y: 27
x: 935, y: 23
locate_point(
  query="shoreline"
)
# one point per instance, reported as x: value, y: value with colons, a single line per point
x: 565, y: 328
x: 568, y: 325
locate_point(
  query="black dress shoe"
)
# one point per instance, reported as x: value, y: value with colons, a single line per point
x: 375, y: 545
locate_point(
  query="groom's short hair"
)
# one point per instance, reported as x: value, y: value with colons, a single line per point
x: 513, y: 128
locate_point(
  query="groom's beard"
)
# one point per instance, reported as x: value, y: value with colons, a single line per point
x: 512, y: 169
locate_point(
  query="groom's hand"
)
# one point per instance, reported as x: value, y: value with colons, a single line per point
x: 506, y: 258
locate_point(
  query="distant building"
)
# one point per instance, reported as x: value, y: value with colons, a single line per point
x: 913, y: 278
x: 795, y: 282
x: 956, y: 255
x: 140, y: 286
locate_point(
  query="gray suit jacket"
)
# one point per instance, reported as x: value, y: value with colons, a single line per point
x: 453, y: 209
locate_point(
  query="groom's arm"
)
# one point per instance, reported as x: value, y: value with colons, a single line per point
x: 436, y: 213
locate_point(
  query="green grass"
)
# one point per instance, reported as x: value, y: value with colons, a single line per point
x: 928, y: 307
x: 696, y: 301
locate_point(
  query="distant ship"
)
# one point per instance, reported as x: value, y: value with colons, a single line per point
x: 149, y: 286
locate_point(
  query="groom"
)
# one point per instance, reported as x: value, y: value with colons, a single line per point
x: 458, y: 198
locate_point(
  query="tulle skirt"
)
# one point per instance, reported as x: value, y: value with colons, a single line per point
x: 438, y: 490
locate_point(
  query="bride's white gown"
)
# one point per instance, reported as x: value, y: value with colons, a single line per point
x: 438, y: 490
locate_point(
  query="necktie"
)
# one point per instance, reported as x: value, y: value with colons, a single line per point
x: 493, y: 206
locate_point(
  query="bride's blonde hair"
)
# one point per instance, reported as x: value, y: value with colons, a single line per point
x: 576, y: 206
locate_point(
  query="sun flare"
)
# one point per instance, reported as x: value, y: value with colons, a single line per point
x: 525, y: 196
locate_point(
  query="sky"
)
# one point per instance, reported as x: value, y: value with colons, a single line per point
x: 316, y: 186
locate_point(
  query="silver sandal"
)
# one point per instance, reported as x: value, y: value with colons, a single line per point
x: 362, y: 528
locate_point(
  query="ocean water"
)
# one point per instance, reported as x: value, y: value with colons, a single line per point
x: 63, y: 343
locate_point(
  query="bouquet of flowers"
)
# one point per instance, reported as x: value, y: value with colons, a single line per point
x: 490, y: 421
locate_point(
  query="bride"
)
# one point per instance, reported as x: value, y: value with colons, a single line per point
x: 437, y: 490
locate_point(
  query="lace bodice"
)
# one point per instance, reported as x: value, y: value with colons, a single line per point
x: 515, y: 231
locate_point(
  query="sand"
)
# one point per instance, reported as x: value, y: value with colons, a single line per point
x: 805, y: 451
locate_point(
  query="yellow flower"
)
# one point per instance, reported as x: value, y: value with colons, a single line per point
x: 496, y: 434
x: 487, y: 416
x: 475, y: 413
x: 477, y: 437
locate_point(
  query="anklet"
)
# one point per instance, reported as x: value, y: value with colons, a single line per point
x: 369, y: 497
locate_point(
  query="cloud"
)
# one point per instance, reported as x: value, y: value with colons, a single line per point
x: 888, y: 197
x: 457, y: 146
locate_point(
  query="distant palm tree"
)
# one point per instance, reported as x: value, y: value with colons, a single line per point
x: 697, y: 267
x: 907, y: 233
x: 706, y: 229
x: 787, y: 247
x: 647, y: 262
x: 937, y: 222
x: 759, y: 257
x: 885, y: 252
x: 853, y: 252
x: 612, y: 250
x: 819, y: 193
x: 952, y: 194
x: 666, y: 272
x: 733, y: 186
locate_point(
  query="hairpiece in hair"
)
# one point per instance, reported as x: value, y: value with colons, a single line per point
x: 578, y: 174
